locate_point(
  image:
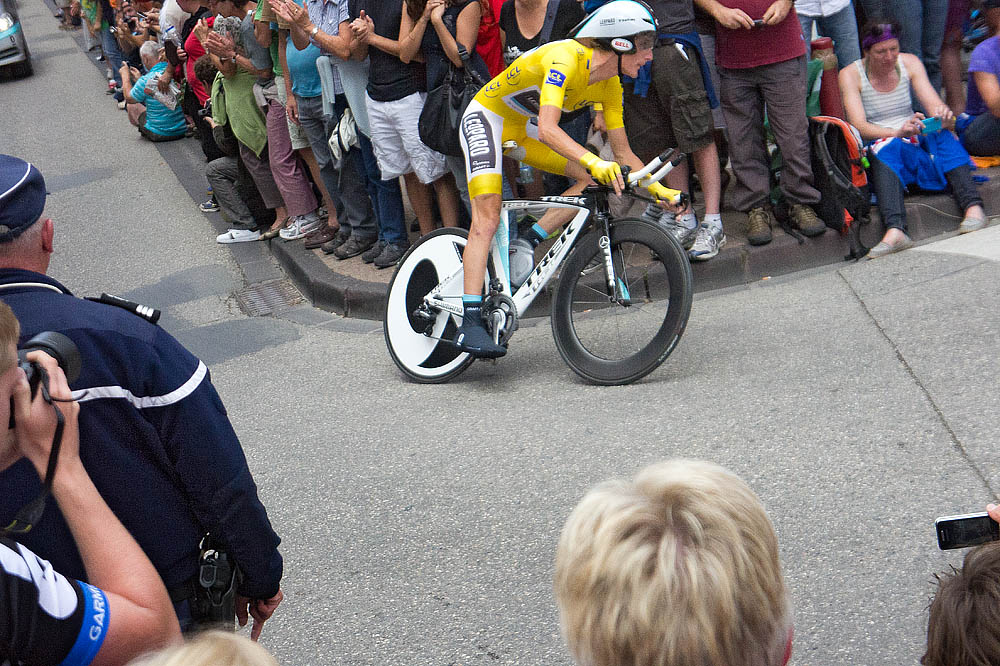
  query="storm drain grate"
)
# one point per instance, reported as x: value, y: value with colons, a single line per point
x: 268, y: 298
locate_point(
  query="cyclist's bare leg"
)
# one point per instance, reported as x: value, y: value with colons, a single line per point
x: 420, y: 198
x: 485, y: 218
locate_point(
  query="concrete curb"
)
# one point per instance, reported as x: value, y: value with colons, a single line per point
x: 928, y: 216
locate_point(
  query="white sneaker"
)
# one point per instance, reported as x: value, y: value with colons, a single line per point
x: 238, y: 236
x: 300, y: 226
x: 707, y: 244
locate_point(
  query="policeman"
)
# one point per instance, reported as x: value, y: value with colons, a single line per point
x: 157, y: 442
x: 47, y: 618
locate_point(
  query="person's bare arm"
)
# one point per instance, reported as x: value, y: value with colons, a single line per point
x: 141, y: 616
x: 228, y: 59
x: 362, y: 27
x: 411, y: 33
x: 466, y: 31
x: 291, y: 104
x: 126, y: 74
x: 924, y: 91
x: 300, y: 38
x: 390, y: 46
x: 262, y: 33
x: 850, y: 92
x: 989, y: 89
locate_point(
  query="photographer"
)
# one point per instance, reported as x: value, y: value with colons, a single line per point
x: 962, y: 629
x: 150, y: 419
x: 50, y: 619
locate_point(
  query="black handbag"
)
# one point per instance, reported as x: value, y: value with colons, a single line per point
x: 442, y: 113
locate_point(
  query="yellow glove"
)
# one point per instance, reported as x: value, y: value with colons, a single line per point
x: 661, y: 193
x: 602, y: 171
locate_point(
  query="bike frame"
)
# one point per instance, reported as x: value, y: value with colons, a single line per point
x: 591, y: 208
x: 500, y: 252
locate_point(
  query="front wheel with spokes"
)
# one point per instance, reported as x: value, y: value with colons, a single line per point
x: 620, y: 338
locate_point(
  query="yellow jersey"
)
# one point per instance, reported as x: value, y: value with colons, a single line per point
x: 556, y: 74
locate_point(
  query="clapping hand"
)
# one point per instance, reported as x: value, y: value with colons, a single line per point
x: 363, y: 27
x: 221, y: 46
x: 290, y: 12
x: 437, y: 9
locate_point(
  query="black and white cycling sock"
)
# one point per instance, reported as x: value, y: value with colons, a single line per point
x: 473, y: 310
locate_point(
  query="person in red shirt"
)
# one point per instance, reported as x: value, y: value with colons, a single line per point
x: 488, y: 44
x: 760, y: 54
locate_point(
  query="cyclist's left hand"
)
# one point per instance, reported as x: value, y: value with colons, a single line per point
x: 665, y: 195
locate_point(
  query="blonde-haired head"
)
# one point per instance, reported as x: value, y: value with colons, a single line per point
x: 211, y: 648
x: 678, y: 567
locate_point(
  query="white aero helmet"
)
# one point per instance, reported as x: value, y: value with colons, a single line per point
x: 622, y: 26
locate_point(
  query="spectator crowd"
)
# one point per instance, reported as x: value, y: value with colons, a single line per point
x: 264, y: 85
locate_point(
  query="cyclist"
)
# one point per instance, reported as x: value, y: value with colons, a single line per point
x: 523, y: 104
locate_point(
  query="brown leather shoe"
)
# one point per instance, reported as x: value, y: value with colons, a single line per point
x: 760, y: 220
x: 320, y: 236
x: 338, y: 240
x: 806, y: 219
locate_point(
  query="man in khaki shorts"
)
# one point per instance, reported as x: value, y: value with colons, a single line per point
x: 673, y: 110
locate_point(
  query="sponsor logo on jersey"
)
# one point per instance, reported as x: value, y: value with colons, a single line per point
x: 482, y: 150
x: 555, y: 78
x: 493, y: 89
x: 99, y: 610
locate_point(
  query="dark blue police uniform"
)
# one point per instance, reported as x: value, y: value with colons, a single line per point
x: 155, y: 439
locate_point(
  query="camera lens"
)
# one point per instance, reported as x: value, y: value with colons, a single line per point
x: 59, y: 347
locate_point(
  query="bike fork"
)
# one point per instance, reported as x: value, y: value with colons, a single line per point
x: 617, y: 291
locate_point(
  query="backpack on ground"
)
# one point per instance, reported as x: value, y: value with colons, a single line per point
x: 838, y: 165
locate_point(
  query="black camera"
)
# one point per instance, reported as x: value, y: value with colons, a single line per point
x: 206, y: 111
x: 56, y: 345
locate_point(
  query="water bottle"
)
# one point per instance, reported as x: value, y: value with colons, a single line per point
x: 171, y: 35
x: 525, y: 174
x: 522, y: 261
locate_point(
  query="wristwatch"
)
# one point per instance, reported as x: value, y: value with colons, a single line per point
x: 312, y: 33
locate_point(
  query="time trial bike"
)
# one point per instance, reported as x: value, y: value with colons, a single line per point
x: 619, y: 308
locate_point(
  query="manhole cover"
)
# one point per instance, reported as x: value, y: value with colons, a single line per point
x: 268, y: 297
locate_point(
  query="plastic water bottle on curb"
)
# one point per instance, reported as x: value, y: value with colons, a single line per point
x: 522, y: 261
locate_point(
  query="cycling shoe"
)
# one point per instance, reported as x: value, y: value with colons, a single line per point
x: 476, y: 341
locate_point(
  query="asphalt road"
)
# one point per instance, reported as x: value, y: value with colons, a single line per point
x: 419, y: 522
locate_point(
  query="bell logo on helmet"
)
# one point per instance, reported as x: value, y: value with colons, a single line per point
x: 620, y: 44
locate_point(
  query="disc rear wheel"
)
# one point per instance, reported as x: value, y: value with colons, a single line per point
x: 426, y: 358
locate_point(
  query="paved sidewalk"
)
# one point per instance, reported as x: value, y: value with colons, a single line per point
x: 355, y: 289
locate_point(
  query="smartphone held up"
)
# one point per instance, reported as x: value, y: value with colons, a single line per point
x: 966, y: 530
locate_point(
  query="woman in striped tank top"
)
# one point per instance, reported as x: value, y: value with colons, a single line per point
x: 878, y: 101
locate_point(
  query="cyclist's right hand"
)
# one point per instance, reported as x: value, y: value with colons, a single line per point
x: 604, y: 172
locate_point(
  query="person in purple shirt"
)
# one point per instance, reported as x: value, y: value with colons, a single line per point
x: 980, y: 133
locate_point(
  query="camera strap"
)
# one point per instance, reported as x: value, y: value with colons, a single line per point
x: 29, y: 515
